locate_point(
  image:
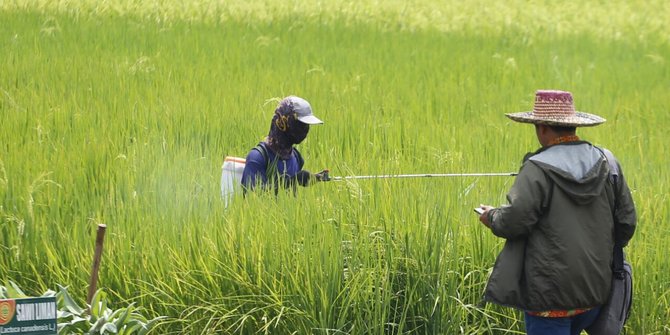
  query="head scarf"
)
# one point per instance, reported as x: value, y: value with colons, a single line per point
x: 285, y: 130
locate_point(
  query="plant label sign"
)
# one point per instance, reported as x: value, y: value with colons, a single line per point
x: 34, y: 316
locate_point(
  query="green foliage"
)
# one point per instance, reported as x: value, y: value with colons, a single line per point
x: 614, y: 19
x: 121, y: 113
x: 97, y: 318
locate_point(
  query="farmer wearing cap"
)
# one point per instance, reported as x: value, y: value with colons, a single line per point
x: 275, y: 162
x: 556, y: 264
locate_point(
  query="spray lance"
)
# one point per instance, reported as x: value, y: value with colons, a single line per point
x: 233, y: 168
x: 324, y: 175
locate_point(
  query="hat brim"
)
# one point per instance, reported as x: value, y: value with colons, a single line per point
x: 309, y: 119
x: 580, y: 119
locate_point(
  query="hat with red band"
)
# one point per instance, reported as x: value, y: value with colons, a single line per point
x: 556, y: 108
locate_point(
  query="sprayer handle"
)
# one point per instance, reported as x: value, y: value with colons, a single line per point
x: 323, y: 175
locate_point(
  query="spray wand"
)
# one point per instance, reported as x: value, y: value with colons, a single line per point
x: 325, y: 175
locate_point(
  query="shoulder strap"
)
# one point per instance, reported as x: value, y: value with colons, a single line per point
x: 270, y: 167
x: 614, y: 165
x: 261, y: 148
x: 298, y: 156
x: 617, y: 262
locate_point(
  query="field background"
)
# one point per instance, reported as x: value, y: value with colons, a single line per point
x: 120, y: 113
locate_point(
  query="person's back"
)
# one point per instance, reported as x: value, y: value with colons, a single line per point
x: 561, y: 208
x: 560, y: 223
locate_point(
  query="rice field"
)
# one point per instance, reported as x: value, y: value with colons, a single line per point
x: 120, y: 113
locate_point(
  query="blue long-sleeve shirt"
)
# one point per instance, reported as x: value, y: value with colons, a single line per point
x: 256, y: 168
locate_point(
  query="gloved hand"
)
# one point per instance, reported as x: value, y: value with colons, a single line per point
x: 303, y: 177
x: 322, y: 176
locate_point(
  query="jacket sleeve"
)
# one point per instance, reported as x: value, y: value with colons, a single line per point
x: 254, y: 171
x: 526, y: 198
x: 624, y: 214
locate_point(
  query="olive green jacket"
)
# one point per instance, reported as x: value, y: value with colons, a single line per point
x: 559, y: 231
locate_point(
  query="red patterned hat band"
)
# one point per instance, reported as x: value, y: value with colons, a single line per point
x: 556, y: 108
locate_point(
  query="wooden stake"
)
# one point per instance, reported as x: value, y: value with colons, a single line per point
x: 96, y: 262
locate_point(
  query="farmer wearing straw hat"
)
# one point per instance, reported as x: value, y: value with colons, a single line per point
x: 559, y: 223
x: 276, y: 161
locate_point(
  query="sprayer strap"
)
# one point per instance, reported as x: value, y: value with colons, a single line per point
x: 618, y: 261
x: 270, y: 167
x: 264, y: 152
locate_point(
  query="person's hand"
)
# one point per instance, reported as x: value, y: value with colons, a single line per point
x: 322, y: 176
x: 484, y: 217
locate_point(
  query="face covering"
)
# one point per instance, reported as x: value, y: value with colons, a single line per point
x: 297, y: 131
x: 285, y: 131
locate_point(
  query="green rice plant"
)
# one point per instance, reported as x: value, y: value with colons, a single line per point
x: 121, y: 113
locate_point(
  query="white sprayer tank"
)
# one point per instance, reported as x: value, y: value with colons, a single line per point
x: 231, y: 177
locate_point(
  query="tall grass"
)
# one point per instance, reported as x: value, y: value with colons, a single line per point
x: 110, y: 115
x: 616, y: 19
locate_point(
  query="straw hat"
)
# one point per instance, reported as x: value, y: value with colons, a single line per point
x: 556, y: 108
